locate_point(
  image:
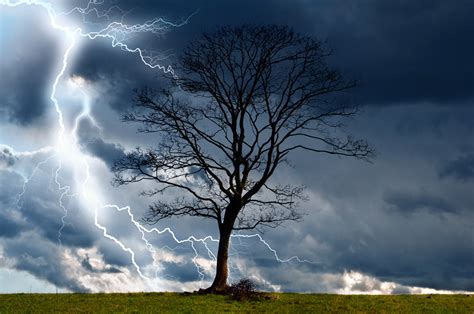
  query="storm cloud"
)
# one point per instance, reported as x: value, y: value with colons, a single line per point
x: 412, y: 202
x: 26, y: 68
x: 401, y: 52
x: 6, y: 157
x: 402, y: 224
x: 461, y: 168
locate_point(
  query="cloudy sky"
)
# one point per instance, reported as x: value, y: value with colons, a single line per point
x: 404, y: 223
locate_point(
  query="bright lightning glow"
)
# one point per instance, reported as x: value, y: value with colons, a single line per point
x: 67, y: 149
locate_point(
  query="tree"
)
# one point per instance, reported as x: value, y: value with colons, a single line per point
x: 244, y: 98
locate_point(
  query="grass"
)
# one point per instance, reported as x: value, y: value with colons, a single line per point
x: 279, y: 303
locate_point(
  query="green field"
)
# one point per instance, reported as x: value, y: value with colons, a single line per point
x: 279, y: 303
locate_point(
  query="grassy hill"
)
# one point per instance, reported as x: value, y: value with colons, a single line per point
x: 277, y: 303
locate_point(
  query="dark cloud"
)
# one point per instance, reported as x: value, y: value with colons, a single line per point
x: 6, y: 157
x: 45, y: 214
x: 182, y: 272
x: 88, y: 266
x: 406, y: 51
x: 112, y: 255
x: 108, y: 152
x: 43, y: 259
x: 429, y: 221
x: 94, y: 145
x: 119, y: 72
x: 11, y: 223
x: 401, y: 52
x: 461, y: 168
x: 410, y: 202
x: 9, y: 227
x: 26, y: 67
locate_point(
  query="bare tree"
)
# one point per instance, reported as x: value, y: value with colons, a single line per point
x: 258, y: 94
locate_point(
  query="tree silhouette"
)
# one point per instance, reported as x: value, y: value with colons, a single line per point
x: 246, y: 97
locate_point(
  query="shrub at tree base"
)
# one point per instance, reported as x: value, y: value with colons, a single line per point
x: 244, y: 289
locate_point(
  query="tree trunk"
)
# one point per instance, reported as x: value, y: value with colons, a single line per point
x: 222, y: 272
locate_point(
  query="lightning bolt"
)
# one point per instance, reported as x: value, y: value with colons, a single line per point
x: 117, y: 33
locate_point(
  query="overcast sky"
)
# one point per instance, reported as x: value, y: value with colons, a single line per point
x: 401, y: 224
